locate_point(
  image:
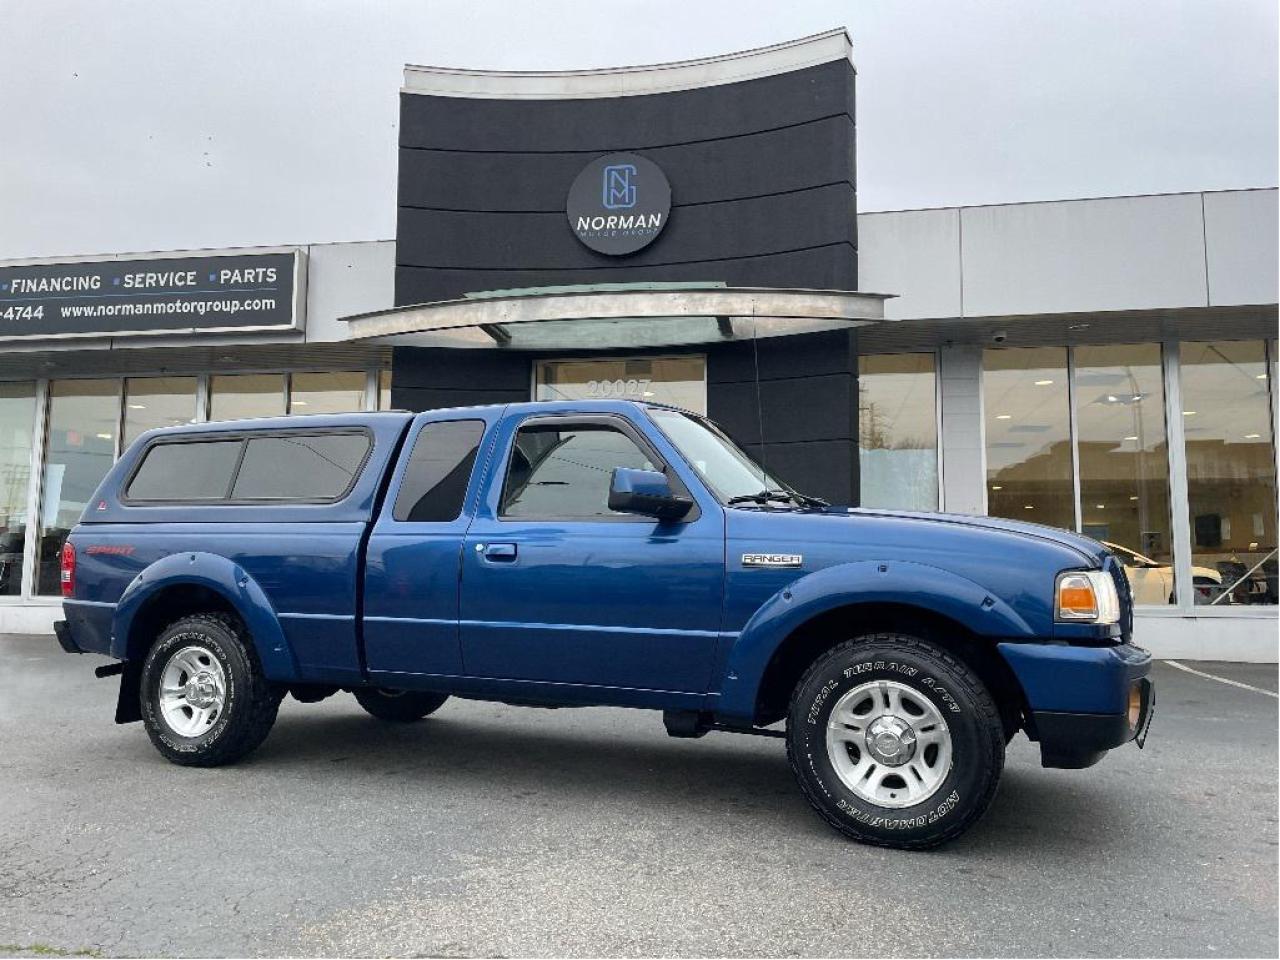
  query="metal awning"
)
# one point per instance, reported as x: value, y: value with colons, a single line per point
x: 617, y: 316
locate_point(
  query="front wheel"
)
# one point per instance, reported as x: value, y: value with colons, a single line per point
x: 895, y: 742
x: 399, y: 706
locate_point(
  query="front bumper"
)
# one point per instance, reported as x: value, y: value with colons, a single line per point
x: 1079, y: 698
x: 1070, y: 741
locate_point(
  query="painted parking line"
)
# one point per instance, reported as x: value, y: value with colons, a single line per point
x: 1231, y: 683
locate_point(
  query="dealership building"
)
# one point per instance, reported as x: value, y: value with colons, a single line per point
x: 689, y: 233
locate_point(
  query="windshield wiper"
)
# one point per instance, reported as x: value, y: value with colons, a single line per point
x: 765, y: 497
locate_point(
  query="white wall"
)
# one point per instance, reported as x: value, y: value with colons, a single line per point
x: 1123, y: 253
x: 345, y: 279
x: 1242, y: 639
x: 1240, y: 230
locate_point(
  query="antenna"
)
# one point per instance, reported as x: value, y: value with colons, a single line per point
x: 755, y: 349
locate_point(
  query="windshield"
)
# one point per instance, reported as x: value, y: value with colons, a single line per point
x: 721, y: 463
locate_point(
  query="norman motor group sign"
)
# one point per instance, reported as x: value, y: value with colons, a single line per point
x: 126, y: 297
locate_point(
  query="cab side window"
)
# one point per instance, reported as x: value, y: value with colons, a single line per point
x: 439, y: 469
x: 562, y: 471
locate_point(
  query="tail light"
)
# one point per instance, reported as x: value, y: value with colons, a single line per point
x: 68, y: 569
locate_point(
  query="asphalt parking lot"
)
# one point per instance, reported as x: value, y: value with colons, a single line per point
x: 494, y: 830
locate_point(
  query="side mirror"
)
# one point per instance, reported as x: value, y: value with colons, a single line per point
x: 646, y: 492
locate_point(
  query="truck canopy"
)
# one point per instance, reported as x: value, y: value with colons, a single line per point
x: 321, y: 468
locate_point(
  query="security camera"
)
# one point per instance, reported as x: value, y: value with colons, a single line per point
x: 1000, y: 336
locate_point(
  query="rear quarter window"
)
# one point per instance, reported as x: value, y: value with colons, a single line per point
x: 300, y: 467
x: 439, y: 469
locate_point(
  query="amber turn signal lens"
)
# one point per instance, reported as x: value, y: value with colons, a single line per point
x: 1076, y: 598
x: 1135, y: 705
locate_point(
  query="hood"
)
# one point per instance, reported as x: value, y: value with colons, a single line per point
x: 1014, y: 561
x: 1087, y: 547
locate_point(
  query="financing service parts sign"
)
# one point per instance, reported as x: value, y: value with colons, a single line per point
x: 126, y: 297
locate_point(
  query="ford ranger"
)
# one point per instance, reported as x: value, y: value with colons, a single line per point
x: 596, y: 553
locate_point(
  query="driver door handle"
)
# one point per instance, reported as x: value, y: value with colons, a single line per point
x: 497, y: 552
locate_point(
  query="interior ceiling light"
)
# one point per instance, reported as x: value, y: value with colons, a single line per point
x: 996, y: 486
x: 1131, y: 438
x: 1253, y: 436
x: 1004, y: 416
x: 1044, y: 383
x: 1188, y: 413
x: 1134, y: 497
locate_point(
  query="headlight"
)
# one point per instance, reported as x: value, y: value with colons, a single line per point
x: 1086, y: 596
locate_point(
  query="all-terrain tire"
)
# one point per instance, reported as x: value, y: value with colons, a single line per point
x: 248, y: 701
x: 860, y: 674
x: 399, y: 706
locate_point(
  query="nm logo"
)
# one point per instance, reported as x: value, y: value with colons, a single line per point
x: 619, y: 186
x: 618, y: 203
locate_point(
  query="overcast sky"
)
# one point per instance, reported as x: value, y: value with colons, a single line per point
x: 149, y: 125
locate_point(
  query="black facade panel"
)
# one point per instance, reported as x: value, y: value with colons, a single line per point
x: 418, y: 399
x: 608, y: 124
x: 762, y: 174
x: 833, y: 267
x: 762, y: 177
x: 798, y: 408
x: 821, y: 468
x: 439, y: 368
x: 775, y: 358
x: 544, y: 241
x: 753, y: 165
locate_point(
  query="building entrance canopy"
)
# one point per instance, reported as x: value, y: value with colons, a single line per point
x: 618, y: 317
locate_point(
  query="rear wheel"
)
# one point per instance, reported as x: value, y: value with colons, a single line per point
x: 399, y: 706
x: 204, y: 699
x: 895, y: 742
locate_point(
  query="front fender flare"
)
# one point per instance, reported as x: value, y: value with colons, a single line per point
x: 904, y: 583
x: 224, y: 577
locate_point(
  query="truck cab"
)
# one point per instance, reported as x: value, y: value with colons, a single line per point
x: 597, y: 553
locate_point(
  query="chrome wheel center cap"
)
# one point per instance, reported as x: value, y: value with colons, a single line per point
x: 201, y: 691
x: 891, y: 741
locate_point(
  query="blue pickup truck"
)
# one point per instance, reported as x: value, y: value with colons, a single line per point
x: 583, y: 553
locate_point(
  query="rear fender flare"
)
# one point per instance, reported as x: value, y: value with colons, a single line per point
x: 230, y: 581
x: 904, y: 583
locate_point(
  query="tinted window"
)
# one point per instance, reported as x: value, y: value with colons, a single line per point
x: 300, y: 467
x: 435, y: 479
x: 564, y: 471
x: 186, y: 471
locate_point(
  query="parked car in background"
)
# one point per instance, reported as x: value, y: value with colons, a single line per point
x: 1151, y: 582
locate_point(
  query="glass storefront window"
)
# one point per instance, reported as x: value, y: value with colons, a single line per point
x: 17, y: 422
x: 898, y: 431
x: 151, y: 402
x: 1124, y: 462
x: 678, y: 381
x: 80, y: 446
x: 236, y: 395
x: 1028, y: 435
x: 327, y: 392
x: 1231, y: 472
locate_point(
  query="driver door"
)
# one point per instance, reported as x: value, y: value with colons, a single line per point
x: 558, y: 588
